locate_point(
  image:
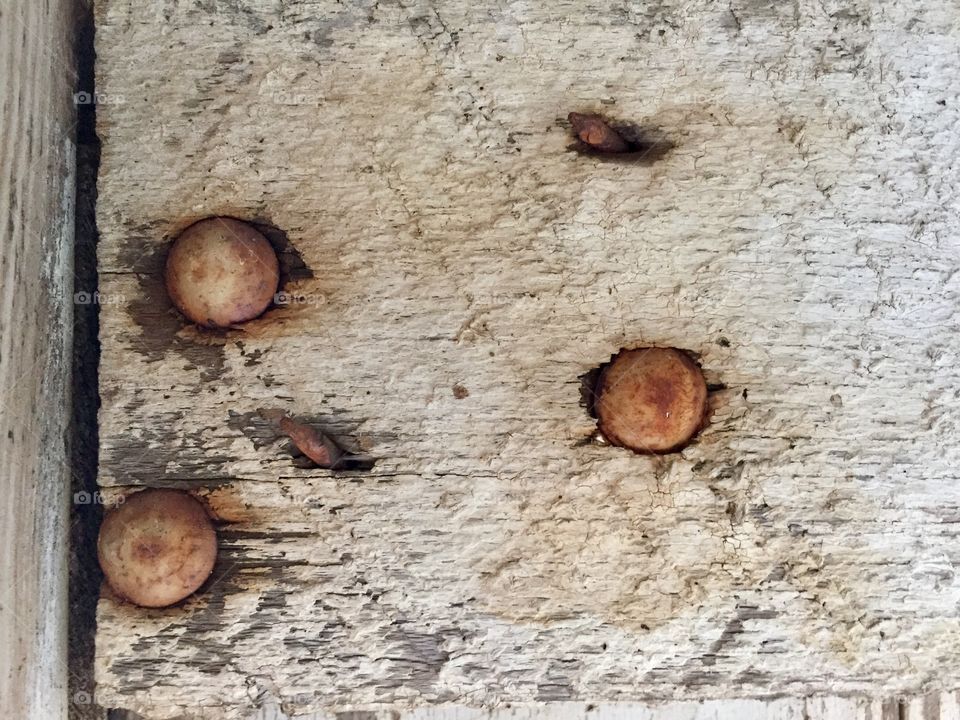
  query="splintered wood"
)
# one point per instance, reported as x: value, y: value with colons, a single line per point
x: 461, y: 266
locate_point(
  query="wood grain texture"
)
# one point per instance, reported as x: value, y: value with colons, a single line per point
x: 465, y: 269
x: 932, y: 706
x: 36, y: 236
x: 935, y: 706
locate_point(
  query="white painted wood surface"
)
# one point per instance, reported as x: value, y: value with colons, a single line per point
x: 800, y: 238
x: 937, y: 706
x: 933, y: 706
x: 36, y: 239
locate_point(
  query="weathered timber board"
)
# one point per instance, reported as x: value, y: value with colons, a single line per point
x: 37, y: 119
x: 934, y: 706
x: 800, y: 237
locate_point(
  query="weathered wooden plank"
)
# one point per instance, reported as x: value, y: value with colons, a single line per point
x: 799, y: 237
x: 934, y: 706
x: 36, y: 200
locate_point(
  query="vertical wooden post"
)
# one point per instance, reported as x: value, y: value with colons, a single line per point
x: 36, y: 288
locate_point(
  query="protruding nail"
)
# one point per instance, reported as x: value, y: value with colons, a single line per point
x: 651, y: 400
x: 157, y: 548
x: 312, y: 443
x: 221, y: 272
x: 593, y: 131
